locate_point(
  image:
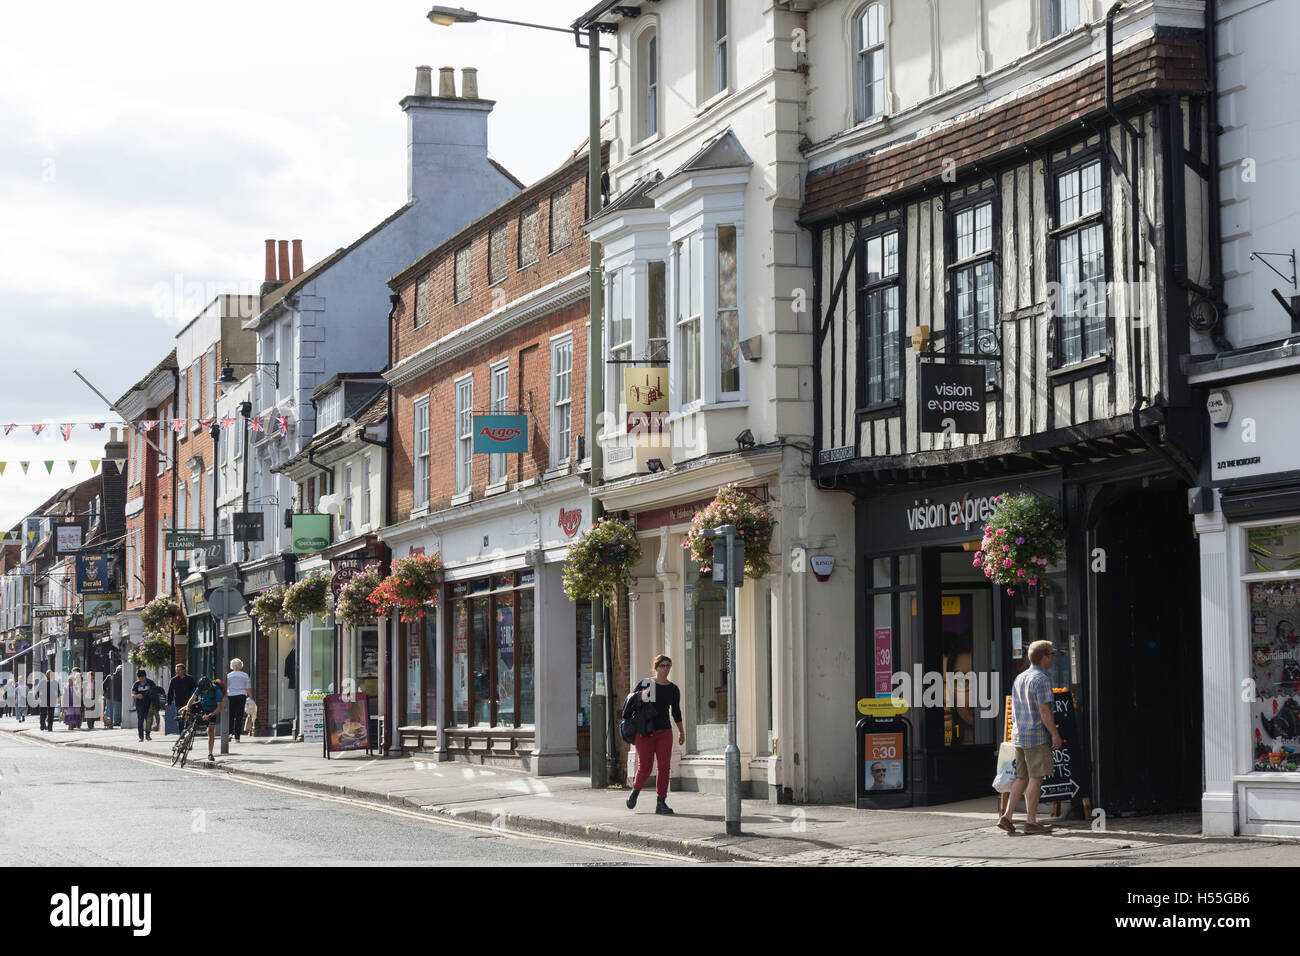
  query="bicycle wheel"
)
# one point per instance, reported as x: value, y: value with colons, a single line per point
x: 189, y: 742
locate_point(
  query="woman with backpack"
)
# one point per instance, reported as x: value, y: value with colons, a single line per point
x: 662, y: 698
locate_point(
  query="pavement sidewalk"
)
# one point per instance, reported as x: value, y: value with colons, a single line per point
x: 960, y: 834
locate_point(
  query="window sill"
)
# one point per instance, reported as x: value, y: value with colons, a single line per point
x: 422, y: 512
x: 1076, y: 368
x: 464, y: 498
x: 491, y: 490
x: 646, y: 143
x: 713, y: 101
x: 702, y: 406
x: 562, y: 470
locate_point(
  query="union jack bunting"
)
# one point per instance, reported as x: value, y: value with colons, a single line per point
x: 207, y: 422
x: 99, y: 426
x: 255, y: 424
x: 150, y: 425
x: 66, y: 430
x: 9, y: 428
x: 282, y: 424
x: 38, y: 429
x: 227, y: 423
x: 178, y: 424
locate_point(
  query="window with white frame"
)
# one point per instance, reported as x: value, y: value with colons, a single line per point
x: 345, y: 513
x: 1061, y: 16
x: 647, y: 85
x: 367, y: 519
x: 561, y: 399
x: 728, y: 313
x: 464, y: 433
x: 286, y: 358
x: 182, y: 516
x: 210, y: 382
x: 329, y: 410
x: 1080, y: 264
x: 715, y: 50
x: 499, y: 389
x: 869, y: 61
x: 973, y: 282
x: 422, y: 452
x: 686, y: 255
x: 878, y: 343
x: 196, y: 393
x: 621, y: 303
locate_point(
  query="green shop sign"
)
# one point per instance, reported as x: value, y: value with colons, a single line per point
x: 311, y: 533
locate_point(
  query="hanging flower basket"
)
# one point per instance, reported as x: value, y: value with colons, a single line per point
x: 268, y: 607
x: 163, y: 616
x: 353, y: 607
x: 1024, y: 535
x: 412, y: 587
x: 153, y: 652
x: 309, y: 596
x: 600, y: 562
x: 753, y: 523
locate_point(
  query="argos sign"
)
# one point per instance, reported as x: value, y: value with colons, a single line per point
x: 494, y: 434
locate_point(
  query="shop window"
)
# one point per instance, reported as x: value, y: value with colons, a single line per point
x: 879, y: 355
x: 585, y: 672
x: 492, y: 652
x: 322, y: 655
x: 1080, y: 308
x: 1274, y: 609
x: 869, y: 61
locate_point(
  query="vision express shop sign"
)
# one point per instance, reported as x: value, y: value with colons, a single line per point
x: 952, y: 399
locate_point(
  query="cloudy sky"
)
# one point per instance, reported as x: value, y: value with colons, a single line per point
x: 148, y: 147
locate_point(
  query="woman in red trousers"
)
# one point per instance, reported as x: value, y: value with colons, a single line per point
x: 663, y: 697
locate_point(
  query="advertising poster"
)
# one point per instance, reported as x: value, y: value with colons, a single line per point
x: 883, y: 762
x: 505, y: 660
x: 884, y: 661
x: 460, y: 661
x: 313, y: 718
x: 347, y: 724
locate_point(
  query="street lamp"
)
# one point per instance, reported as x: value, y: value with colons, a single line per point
x: 228, y: 372
x: 446, y: 16
x: 729, y: 570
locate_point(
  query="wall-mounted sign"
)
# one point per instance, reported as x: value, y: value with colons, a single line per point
x: 1256, y: 439
x: 67, y: 538
x: 829, y: 455
x: 248, y: 526
x: 645, y: 392
x: 92, y: 574
x: 952, y: 399
x: 311, y: 533
x: 47, y: 612
x: 183, y: 539
x: 495, y: 434
x: 214, y: 551
x: 192, y: 597
x: 822, y: 565
x: 341, y: 577
x: 570, y: 521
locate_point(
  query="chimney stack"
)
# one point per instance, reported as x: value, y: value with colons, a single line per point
x: 469, y: 83
x: 424, y: 81
x: 284, y: 260
x: 297, y: 258
x: 270, y: 261
x: 447, y: 81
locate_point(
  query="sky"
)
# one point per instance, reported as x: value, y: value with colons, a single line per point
x: 148, y: 147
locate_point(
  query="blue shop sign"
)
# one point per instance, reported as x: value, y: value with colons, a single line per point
x: 494, y: 434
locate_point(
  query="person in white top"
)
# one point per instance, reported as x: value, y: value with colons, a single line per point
x: 238, y: 686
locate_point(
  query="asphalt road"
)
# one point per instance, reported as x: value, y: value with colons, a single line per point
x: 64, y: 806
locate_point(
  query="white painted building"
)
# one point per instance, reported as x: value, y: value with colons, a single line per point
x: 1249, y: 525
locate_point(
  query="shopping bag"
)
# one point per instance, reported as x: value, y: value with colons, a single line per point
x: 1005, y: 774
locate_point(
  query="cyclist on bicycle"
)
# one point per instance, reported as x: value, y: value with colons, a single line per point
x: 205, y: 705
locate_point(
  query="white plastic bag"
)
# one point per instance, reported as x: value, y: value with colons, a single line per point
x: 1005, y: 775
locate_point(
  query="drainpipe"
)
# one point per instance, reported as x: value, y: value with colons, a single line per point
x: 1212, y: 119
x: 393, y: 745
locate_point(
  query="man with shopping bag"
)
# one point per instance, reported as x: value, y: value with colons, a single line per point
x: 1034, y: 735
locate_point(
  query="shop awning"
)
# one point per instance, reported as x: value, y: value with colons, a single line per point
x: 24, y: 651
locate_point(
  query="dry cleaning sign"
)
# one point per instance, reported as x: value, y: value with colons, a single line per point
x: 952, y: 399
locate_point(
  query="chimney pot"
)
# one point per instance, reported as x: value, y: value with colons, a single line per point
x: 447, y: 81
x: 469, y: 83
x: 297, y: 258
x: 424, y: 81
x: 270, y: 260
x: 284, y: 260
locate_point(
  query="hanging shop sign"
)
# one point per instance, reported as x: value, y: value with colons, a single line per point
x: 645, y: 392
x: 98, y: 610
x: 183, y: 539
x: 342, y: 576
x: 311, y: 533
x: 497, y: 434
x: 48, y: 612
x: 214, y: 551
x: 248, y: 526
x: 92, y: 574
x: 952, y: 399
x: 192, y: 596
x: 68, y: 538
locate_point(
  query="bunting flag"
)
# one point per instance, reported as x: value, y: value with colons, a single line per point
x: 24, y: 464
x: 94, y: 466
x: 178, y: 424
x: 9, y: 428
x: 282, y: 424
x: 150, y: 425
x: 38, y: 428
x: 255, y: 424
x: 66, y: 430
x: 2, y: 467
x: 207, y: 422
x: 49, y: 467
x: 96, y: 426
x: 72, y: 466
x: 121, y: 465
x: 227, y: 423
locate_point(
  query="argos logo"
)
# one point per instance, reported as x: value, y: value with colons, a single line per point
x: 501, y: 434
x: 497, y: 434
x: 570, y: 521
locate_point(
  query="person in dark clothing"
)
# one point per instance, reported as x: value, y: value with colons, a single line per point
x: 179, y: 691
x: 142, y: 692
x: 657, y: 747
x: 48, y: 693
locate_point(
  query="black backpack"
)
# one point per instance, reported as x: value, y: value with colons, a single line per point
x: 638, y: 715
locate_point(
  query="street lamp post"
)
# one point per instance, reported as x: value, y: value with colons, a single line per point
x: 729, y: 569
x: 602, y: 757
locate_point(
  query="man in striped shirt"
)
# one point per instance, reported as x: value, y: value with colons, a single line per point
x: 1034, y: 735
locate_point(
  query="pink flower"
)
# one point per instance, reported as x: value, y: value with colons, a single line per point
x: 1006, y: 547
x: 978, y: 555
x: 1020, y: 572
x: 1002, y: 530
x: 1010, y: 591
x: 1006, y: 562
x: 975, y: 563
x: 1034, y: 579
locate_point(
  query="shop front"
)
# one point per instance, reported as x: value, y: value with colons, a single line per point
x: 1248, y: 523
x: 274, y: 661
x: 201, y: 633
x: 494, y: 673
x: 356, y: 653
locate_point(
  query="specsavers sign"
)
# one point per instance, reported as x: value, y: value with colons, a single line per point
x: 310, y: 533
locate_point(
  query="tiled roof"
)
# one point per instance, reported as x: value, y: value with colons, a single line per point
x: 1162, y: 64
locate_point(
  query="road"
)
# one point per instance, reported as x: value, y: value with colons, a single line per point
x: 62, y: 806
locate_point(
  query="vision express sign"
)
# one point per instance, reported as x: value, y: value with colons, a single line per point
x: 494, y: 434
x: 952, y: 399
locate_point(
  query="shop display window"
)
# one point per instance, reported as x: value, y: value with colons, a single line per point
x: 704, y: 684
x: 585, y: 679
x: 492, y: 651
x: 1274, y: 619
x: 322, y: 655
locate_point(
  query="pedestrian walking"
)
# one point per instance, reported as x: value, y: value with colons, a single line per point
x: 179, y: 692
x: 19, y: 693
x: 114, y: 690
x: 157, y: 703
x: 46, y: 694
x: 143, y: 692
x: 656, y: 748
x: 4, y: 699
x: 1034, y: 735
x: 72, y: 703
x: 238, y: 685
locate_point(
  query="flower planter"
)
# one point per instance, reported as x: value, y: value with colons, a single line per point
x: 1023, y: 537
x: 600, y: 562
x: 753, y: 523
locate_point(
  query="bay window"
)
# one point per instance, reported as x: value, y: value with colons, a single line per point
x: 687, y: 268
x: 728, y: 313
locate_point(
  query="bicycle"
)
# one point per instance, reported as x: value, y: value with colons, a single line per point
x: 181, y: 749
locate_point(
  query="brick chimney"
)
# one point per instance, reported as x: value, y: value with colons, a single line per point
x: 297, y: 258
x: 446, y: 135
x: 284, y: 260
x: 270, y: 261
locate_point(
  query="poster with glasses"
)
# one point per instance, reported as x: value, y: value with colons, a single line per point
x: 1274, y: 609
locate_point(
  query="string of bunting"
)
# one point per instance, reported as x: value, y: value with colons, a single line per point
x: 72, y: 463
x: 280, y: 423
